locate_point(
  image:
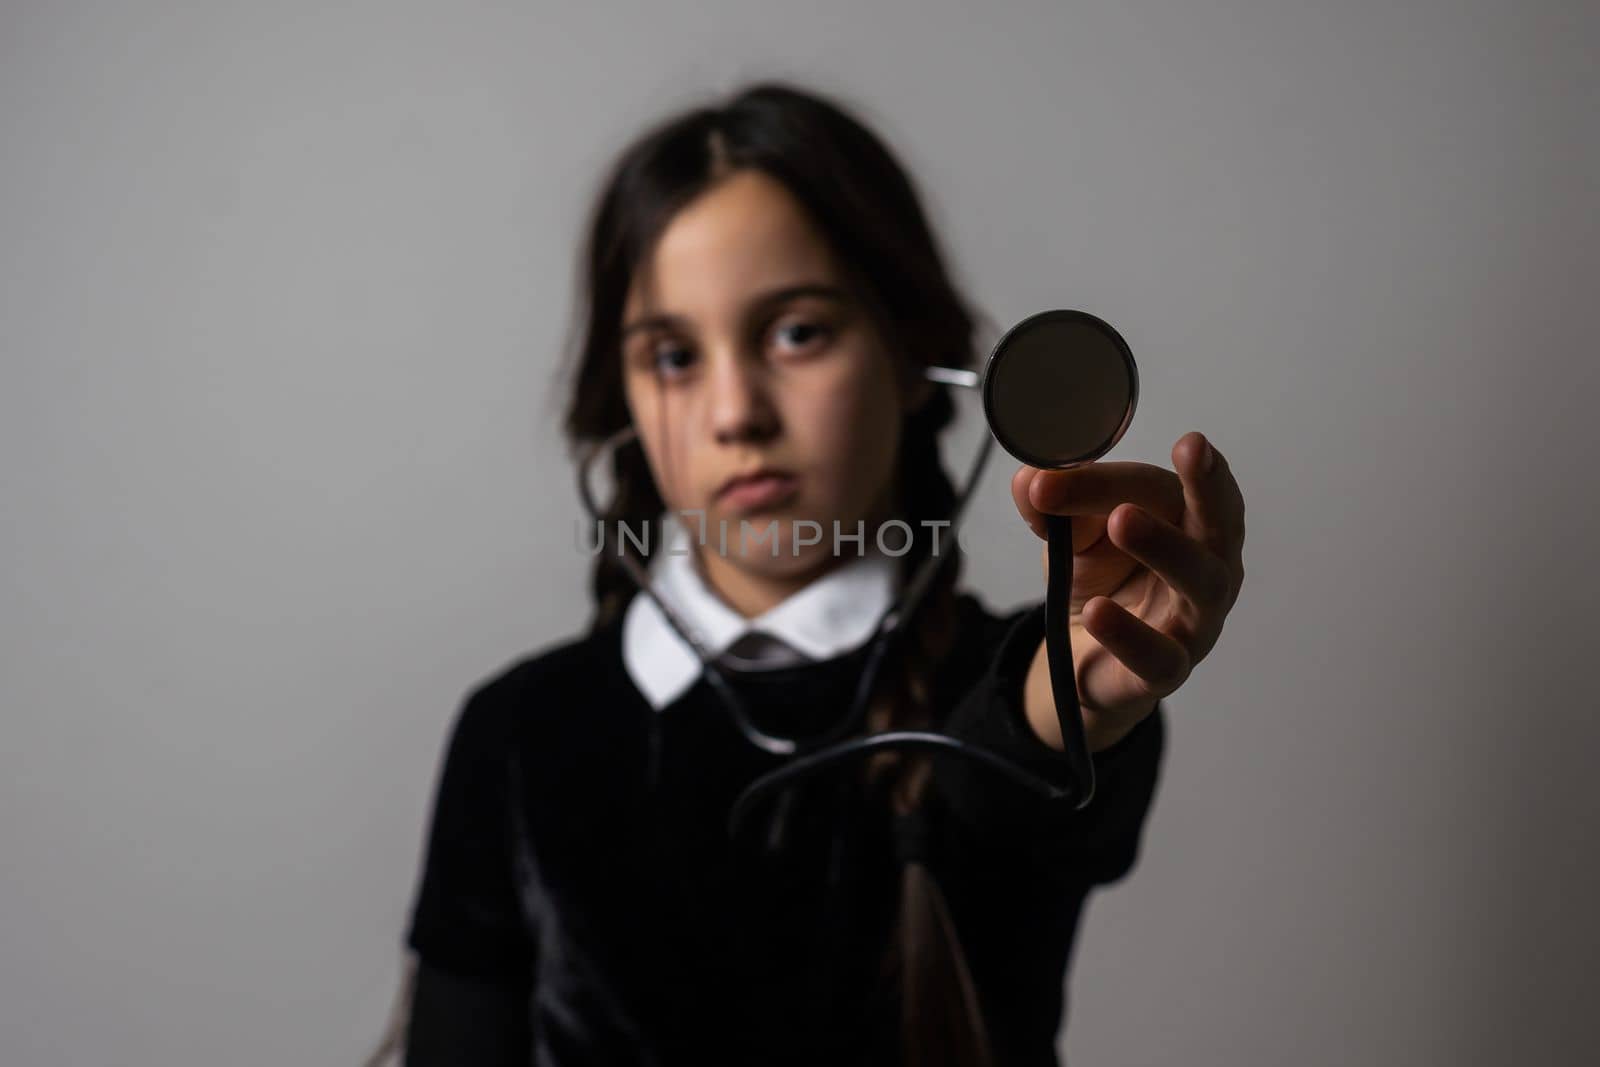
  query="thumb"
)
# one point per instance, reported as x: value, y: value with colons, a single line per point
x: 1020, y: 481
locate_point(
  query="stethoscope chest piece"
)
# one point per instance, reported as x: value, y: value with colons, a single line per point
x: 1059, y: 389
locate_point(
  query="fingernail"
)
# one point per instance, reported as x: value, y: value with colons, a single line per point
x: 1209, y: 459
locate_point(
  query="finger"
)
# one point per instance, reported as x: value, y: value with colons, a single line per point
x: 1197, y: 576
x: 1019, y: 494
x: 1092, y: 551
x: 1213, y: 503
x: 1097, y: 488
x: 1155, y: 659
x: 1086, y: 530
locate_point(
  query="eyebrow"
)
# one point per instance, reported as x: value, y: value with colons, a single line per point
x: 756, y: 306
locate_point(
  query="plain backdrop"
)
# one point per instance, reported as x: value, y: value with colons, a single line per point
x: 284, y: 289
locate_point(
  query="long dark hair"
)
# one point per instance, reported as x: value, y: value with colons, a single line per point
x: 866, y: 206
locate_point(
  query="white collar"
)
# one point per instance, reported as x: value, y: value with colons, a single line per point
x: 831, y: 615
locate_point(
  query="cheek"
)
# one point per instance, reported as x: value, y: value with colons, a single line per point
x: 856, y: 423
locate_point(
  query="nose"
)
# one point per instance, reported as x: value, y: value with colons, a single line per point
x: 741, y: 403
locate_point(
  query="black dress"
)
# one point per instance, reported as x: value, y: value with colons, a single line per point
x: 581, y: 901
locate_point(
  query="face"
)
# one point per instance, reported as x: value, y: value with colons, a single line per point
x: 744, y: 350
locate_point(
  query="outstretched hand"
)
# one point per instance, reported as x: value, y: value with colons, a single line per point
x: 1157, y: 565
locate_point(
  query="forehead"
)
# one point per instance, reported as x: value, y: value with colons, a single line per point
x: 745, y: 235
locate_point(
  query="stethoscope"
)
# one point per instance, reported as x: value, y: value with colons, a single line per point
x: 1059, y: 389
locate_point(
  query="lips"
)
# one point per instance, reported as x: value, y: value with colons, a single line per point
x: 767, y: 487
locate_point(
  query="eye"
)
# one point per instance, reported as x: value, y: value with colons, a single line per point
x: 668, y: 359
x: 802, y: 335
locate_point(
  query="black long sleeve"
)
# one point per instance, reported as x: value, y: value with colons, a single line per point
x: 458, y: 1020
x: 471, y: 998
x: 1101, y: 840
x: 468, y: 916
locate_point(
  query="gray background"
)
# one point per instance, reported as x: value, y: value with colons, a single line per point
x: 284, y: 286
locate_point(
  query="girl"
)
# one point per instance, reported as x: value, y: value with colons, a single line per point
x: 762, y: 290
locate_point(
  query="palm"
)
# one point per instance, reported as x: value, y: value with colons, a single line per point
x: 1100, y: 568
x: 1156, y: 566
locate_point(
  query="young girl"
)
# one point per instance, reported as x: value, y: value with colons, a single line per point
x: 762, y: 292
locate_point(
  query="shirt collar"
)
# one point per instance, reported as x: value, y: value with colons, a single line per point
x: 831, y: 615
